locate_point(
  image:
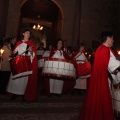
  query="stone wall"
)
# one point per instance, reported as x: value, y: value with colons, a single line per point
x: 95, y: 17
x: 82, y: 22
x: 69, y: 17
x: 3, y: 16
x: 98, y: 16
x: 13, y: 17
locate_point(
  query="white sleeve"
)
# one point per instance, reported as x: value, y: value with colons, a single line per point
x: 44, y: 54
x: 113, y: 63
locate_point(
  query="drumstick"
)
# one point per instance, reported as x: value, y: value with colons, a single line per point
x: 19, y: 54
x: 77, y: 55
x: 26, y: 50
x: 23, y: 52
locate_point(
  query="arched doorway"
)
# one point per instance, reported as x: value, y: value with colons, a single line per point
x: 45, y: 13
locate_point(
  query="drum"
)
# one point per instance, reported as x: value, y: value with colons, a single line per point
x: 41, y: 63
x: 61, y: 68
x: 20, y: 66
x: 83, y: 69
x: 116, y: 93
x: 116, y: 99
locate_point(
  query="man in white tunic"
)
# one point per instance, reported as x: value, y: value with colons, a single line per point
x: 98, y: 102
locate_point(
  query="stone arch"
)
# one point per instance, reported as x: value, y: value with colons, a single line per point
x: 59, y: 23
x: 13, y: 17
x: 23, y: 3
x: 59, y: 8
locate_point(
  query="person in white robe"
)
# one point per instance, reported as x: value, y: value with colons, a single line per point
x: 56, y: 85
x: 114, y: 81
x: 113, y: 65
x: 18, y: 85
x: 79, y: 57
x: 46, y: 54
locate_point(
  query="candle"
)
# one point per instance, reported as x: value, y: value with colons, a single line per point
x: 89, y: 55
x: 118, y: 52
x: 1, y: 51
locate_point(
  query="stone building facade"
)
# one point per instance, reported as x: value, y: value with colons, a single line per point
x: 82, y: 20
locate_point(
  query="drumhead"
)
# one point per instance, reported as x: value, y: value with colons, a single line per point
x: 60, y: 68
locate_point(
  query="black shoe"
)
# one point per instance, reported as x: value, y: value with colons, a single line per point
x: 23, y: 100
x: 58, y: 95
x: 54, y: 95
x: 3, y: 92
x: 117, y: 118
x: 73, y: 92
x: 80, y: 92
x: 13, y: 98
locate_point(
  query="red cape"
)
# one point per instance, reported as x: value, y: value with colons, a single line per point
x: 64, y: 54
x: 98, y: 101
x: 31, y: 89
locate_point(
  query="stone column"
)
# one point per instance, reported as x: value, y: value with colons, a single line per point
x: 3, y: 16
x: 13, y: 17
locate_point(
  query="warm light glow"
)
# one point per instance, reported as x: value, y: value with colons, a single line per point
x: 37, y: 27
x: 118, y: 52
x: 89, y: 55
x: 1, y: 51
x: 41, y: 28
x: 34, y: 26
x: 86, y: 53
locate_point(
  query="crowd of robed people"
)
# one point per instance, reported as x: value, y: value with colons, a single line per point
x: 98, y: 100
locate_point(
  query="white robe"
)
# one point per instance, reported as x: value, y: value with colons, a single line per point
x: 56, y: 86
x: 41, y: 61
x: 46, y: 53
x: 81, y: 83
x: 18, y: 85
x: 112, y: 66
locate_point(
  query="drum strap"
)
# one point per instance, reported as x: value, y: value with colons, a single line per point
x: 78, y: 55
x: 110, y: 77
x: 26, y: 52
x: 14, y: 54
